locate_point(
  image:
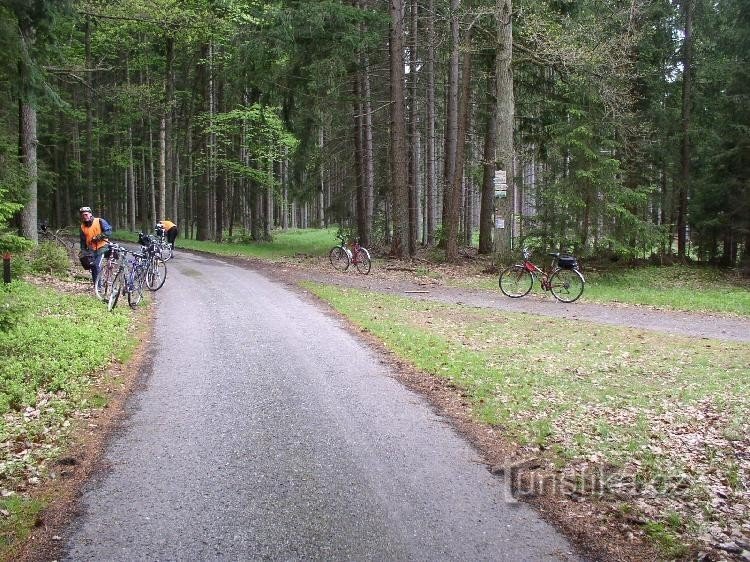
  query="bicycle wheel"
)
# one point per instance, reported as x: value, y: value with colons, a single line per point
x: 117, y: 287
x: 363, y: 262
x: 339, y: 258
x: 567, y: 284
x: 515, y: 281
x: 103, y: 284
x: 135, y: 294
x: 156, y: 274
x: 166, y: 251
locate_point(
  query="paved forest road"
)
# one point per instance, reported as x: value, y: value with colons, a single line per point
x: 266, y: 431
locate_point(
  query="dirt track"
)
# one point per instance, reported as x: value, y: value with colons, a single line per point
x: 405, y: 283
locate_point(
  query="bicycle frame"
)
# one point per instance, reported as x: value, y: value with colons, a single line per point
x: 537, y: 273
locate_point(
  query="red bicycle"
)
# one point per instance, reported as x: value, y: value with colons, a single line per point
x: 344, y: 254
x: 563, y: 279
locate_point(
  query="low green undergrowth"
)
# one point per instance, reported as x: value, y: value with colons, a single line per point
x: 660, y: 412
x: 52, y: 345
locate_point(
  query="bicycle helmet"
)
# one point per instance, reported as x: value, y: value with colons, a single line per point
x: 84, y: 210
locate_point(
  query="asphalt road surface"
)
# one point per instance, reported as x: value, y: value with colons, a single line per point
x: 266, y: 431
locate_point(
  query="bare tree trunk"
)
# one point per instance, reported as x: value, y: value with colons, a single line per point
x: 451, y: 111
x: 399, y: 174
x: 359, y: 158
x: 505, y: 110
x: 28, y: 142
x: 162, y: 169
x: 413, y: 132
x: 145, y: 226
x: 169, y: 152
x: 152, y: 173
x: 454, y: 207
x: 88, y: 188
x: 687, y: 55
x: 322, y: 183
x: 131, y: 183
x: 369, y: 157
x: 202, y: 195
x: 431, y: 204
x: 486, y: 218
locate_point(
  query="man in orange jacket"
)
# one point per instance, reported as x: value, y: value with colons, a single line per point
x: 94, y: 234
x: 170, y: 229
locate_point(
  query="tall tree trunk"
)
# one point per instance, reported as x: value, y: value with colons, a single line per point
x: 131, y: 183
x: 456, y: 191
x: 451, y: 111
x: 505, y: 111
x: 169, y: 152
x: 431, y: 164
x: 687, y: 56
x: 28, y: 136
x: 202, y: 194
x: 487, y: 210
x: 369, y: 156
x: 152, y: 174
x: 220, y: 176
x: 28, y: 141
x: 162, y: 169
x: 359, y: 158
x: 413, y: 133
x: 399, y: 173
x: 88, y: 188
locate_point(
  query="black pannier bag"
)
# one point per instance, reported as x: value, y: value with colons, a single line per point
x: 567, y: 262
x: 87, y: 259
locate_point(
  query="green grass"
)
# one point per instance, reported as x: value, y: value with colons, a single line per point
x: 577, y: 391
x: 676, y: 287
x: 55, y: 342
x: 287, y: 243
x: 531, y: 373
x: 22, y: 516
x: 50, y: 344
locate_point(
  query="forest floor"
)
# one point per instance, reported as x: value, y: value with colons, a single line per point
x: 607, y: 523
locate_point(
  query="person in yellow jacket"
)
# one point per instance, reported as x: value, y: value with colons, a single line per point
x: 170, y: 230
x: 94, y: 234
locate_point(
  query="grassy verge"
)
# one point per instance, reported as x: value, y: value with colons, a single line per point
x: 676, y: 287
x: 288, y: 243
x: 658, y: 418
x: 52, y: 345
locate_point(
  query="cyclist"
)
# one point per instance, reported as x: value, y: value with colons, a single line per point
x: 170, y: 229
x: 94, y: 235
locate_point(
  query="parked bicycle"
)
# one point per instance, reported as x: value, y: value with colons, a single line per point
x: 156, y: 272
x: 129, y: 280
x: 562, y: 279
x: 111, y: 265
x: 165, y: 248
x: 344, y: 255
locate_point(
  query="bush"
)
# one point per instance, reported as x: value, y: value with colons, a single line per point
x: 49, y: 257
x: 11, y: 308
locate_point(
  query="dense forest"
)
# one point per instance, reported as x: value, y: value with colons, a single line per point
x: 609, y: 127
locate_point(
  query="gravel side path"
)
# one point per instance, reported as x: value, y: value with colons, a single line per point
x: 713, y: 326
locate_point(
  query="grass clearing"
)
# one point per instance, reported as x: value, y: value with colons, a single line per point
x: 662, y: 415
x: 677, y: 287
x: 286, y: 243
x: 51, y: 344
